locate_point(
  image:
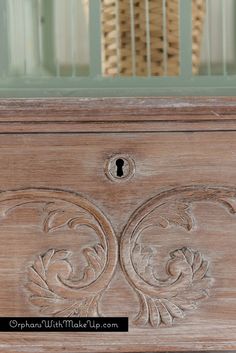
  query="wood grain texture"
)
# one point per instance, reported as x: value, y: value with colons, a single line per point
x: 66, y: 115
x: 157, y: 246
x: 113, y: 108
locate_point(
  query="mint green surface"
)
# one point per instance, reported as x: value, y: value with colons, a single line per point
x: 90, y: 83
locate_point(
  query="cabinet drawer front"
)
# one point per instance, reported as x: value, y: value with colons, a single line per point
x: 140, y: 225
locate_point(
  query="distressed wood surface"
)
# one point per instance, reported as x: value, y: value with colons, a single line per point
x: 54, y: 108
x: 156, y: 244
x: 67, y: 115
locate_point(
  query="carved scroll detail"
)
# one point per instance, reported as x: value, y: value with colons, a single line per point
x: 186, y: 282
x: 54, y: 268
x: 53, y: 287
x: 185, y: 285
x: 51, y: 282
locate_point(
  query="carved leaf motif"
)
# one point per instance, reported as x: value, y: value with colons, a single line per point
x: 142, y: 256
x: 174, y: 310
x: 155, y: 314
x: 44, y: 276
x: 96, y: 257
x: 42, y: 295
x: 229, y: 203
x: 167, y: 215
x: 166, y: 317
x: 57, y: 217
x: 186, y: 284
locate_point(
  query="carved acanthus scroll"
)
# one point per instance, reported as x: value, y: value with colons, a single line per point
x: 52, y: 272
x: 187, y: 281
x: 55, y: 290
x: 51, y: 280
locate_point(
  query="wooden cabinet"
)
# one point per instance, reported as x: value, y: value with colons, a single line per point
x: 120, y: 208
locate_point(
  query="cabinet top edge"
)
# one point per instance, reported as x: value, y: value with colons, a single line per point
x: 117, y: 114
x: 109, y: 106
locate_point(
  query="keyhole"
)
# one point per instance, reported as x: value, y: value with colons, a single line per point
x: 120, y: 164
x: 119, y: 168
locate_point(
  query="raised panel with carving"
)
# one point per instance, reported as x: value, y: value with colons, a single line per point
x: 158, y: 246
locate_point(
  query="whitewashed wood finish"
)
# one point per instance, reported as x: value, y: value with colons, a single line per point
x: 159, y: 246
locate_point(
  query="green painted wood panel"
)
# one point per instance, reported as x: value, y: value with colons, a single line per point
x: 52, y: 77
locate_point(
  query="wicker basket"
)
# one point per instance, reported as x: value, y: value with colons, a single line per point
x: 117, y: 39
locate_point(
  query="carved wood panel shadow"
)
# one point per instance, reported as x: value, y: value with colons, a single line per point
x: 54, y: 289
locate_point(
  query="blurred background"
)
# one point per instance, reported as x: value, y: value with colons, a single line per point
x: 112, y: 38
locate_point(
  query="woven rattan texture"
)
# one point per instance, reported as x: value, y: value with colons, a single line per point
x: 155, y: 47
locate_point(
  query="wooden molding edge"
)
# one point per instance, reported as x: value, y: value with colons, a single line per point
x: 83, y: 115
